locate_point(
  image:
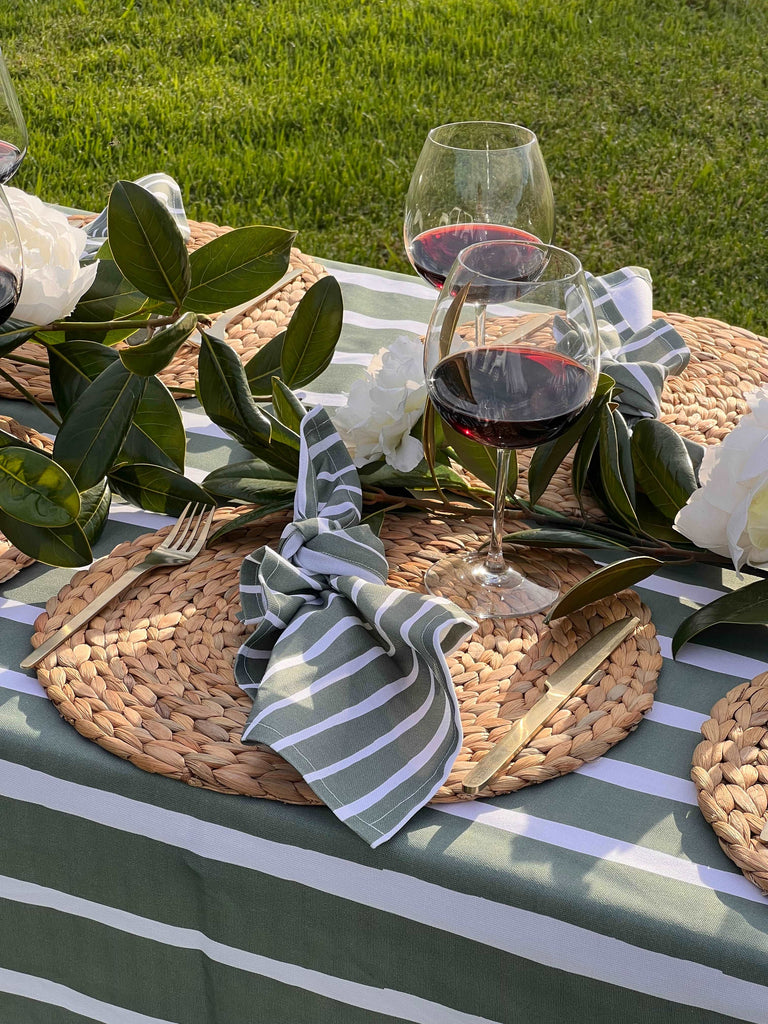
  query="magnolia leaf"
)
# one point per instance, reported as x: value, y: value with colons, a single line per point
x: 656, y: 524
x: 156, y: 488
x: 236, y: 266
x: 428, y: 442
x: 582, y: 457
x: 12, y: 334
x: 35, y: 489
x: 241, y: 522
x: 624, y: 443
x: 94, y: 509
x: 66, y: 546
x: 154, y: 355
x: 418, y: 479
x: 146, y: 244
x: 556, y: 538
x: 611, y: 467
x: 287, y: 406
x: 696, y: 454
x: 603, y: 582
x: 548, y: 458
x: 279, y: 434
x: 663, y: 466
x: 450, y: 323
x: 157, y: 433
x: 262, y: 367
x: 252, y: 481
x: 312, y: 333
x: 745, y: 606
x: 73, y: 365
x: 375, y: 520
x: 110, y: 297
x: 95, y: 427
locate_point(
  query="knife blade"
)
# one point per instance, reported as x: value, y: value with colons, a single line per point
x: 219, y: 328
x: 561, y: 685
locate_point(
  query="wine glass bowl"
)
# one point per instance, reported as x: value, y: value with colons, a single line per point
x: 475, y: 181
x: 13, y: 129
x: 516, y: 377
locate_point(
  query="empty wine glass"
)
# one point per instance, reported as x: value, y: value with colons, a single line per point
x: 13, y: 130
x: 515, y: 378
x: 475, y: 181
x: 11, y: 259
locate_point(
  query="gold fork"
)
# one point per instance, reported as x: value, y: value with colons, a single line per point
x: 184, y: 542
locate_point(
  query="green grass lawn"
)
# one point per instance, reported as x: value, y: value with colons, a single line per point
x: 652, y: 116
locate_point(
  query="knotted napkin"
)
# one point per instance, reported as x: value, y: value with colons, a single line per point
x: 636, y: 350
x: 348, y: 675
x: 164, y: 188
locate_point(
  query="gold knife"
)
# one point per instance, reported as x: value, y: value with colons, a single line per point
x: 561, y: 685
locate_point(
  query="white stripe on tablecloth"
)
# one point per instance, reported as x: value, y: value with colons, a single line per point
x: 377, y: 323
x: 713, y: 659
x: 17, y: 611
x: 557, y: 944
x: 401, y: 1005
x: 42, y: 990
x: 579, y: 840
x: 639, y: 779
x: 413, y: 289
x: 677, y: 718
x: 10, y: 680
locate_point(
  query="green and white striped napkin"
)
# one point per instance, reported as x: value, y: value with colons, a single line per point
x: 636, y: 350
x: 348, y: 675
x: 163, y: 187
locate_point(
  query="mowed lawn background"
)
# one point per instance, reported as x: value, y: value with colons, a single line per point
x: 652, y: 116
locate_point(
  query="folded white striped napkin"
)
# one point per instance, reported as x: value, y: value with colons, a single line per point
x: 636, y: 350
x: 163, y: 187
x: 348, y: 675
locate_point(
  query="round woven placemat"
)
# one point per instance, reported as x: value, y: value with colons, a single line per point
x: 151, y: 678
x: 730, y: 772
x: 11, y: 559
x: 246, y: 334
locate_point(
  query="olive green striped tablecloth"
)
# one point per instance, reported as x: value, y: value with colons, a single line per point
x: 129, y: 898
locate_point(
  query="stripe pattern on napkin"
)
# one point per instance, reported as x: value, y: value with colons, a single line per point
x: 163, y: 187
x: 348, y: 675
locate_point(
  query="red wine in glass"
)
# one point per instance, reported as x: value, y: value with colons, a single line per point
x: 432, y: 252
x: 510, y: 396
x: 10, y: 289
x: 10, y: 160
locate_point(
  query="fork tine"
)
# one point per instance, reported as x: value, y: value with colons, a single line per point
x: 177, y: 526
x: 200, y: 533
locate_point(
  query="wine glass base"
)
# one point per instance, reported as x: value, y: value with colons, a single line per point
x: 465, y: 580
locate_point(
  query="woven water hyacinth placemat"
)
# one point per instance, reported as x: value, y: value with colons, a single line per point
x: 730, y: 772
x: 246, y: 334
x: 11, y: 559
x: 150, y: 679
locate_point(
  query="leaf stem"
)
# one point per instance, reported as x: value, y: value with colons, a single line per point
x: 30, y: 397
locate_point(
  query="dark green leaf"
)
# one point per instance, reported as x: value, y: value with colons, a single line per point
x: 429, y: 421
x: 582, y: 457
x: 287, y: 406
x: 157, y: 433
x: 236, y: 266
x: 419, y: 479
x: 655, y: 523
x: 73, y: 366
x: 156, y: 488
x: 65, y: 545
x: 375, y: 521
x: 94, y: 509
x: 36, y: 490
x: 153, y: 355
x: 225, y: 395
x: 603, y: 582
x: 312, y: 333
x: 696, y: 454
x: 12, y: 334
x: 264, y: 365
x: 450, y: 323
x: 479, y: 459
x: 554, y: 538
x: 146, y: 244
x: 252, y: 481
x: 747, y: 605
x: 95, y: 427
x: 110, y: 297
x: 245, y: 520
x: 614, y: 485
x: 624, y: 443
x: 663, y: 467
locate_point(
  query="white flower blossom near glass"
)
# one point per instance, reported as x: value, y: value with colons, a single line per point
x: 728, y: 514
x: 53, y: 278
x: 384, y: 405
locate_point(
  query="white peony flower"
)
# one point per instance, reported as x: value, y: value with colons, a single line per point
x: 728, y: 514
x: 53, y: 278
x: 384, y: 405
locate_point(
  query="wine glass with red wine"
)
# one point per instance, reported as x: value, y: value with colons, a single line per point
x: 13, y: 130
x: 517, y: 377
x: 11, y: 260
x: 475, y: 181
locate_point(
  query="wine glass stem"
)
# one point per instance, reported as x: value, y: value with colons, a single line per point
x: 480, y: 323
x: 494, y: 560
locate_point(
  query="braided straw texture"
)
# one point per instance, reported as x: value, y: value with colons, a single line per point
x: 150, y: 679
x: 730, y: 772
x: 11, y: 559
x: 246, y: 334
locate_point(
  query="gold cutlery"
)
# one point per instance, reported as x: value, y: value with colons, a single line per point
x: 561, y: 685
